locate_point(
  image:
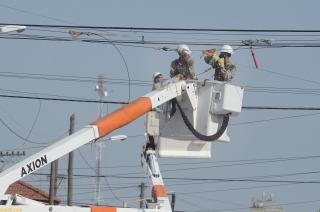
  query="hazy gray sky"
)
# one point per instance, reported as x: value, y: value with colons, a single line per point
x: 281, y: 68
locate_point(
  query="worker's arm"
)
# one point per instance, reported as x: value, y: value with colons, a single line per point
x: 173, y: 69
x: 227, y: 69
x: 211, y: 59
x: 191, y: 68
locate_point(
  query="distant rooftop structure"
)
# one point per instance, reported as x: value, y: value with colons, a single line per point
x: 29, y: 191
x: 266, y: 204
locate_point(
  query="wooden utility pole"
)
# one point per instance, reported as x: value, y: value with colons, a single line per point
x: 142, y: 186
x: 70, y: 163
x: 53, y: 182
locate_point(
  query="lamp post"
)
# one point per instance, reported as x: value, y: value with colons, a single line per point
x: 100, y: 88
x: 99, y: 146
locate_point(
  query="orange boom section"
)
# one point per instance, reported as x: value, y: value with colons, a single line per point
x: 123, y: 115
x: 159, y: 191
x: 102, y: 209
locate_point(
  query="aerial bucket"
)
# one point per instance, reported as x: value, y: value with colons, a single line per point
x: 205, y: 104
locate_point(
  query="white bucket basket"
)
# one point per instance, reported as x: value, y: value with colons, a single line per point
x: 205, y: 104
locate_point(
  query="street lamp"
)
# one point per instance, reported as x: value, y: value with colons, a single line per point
x: 74, y: 35
x: 12, y: 28
x: 113, y: 138
x: 118, y: 138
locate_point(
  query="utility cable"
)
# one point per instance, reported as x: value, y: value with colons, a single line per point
x: 18, y: 135
x: 35, y: 14
x: 166, y: 28
x: 273, y: 119
x: 35, y: 119
x: 76, y: 34
x: 107, y: 182
x: 62, y: 99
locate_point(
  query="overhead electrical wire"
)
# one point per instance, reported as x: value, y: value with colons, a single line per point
x: 254, y: 179
x: 120, y: 102
x: 224, y: 163
x: 18, y: 135
x: 35, y: 119
x: 85, y: 79
x: 246, y: 208
x: 273, y: 119
x: 35, y: 14
x: 154, y: 42
x: 165, y: 28
x: 62, y: 99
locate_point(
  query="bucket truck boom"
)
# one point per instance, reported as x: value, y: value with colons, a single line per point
x: 204, y: 108
x: 95, y: 130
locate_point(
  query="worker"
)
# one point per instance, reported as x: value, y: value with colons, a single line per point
x: 157, y: 81
x: 182, y: 67
x: 157, y: 85
x: 224, y: 69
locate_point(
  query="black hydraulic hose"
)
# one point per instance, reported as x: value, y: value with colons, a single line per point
x: 202, y: 137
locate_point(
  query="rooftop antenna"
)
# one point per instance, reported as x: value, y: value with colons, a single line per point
x: 100, y: 88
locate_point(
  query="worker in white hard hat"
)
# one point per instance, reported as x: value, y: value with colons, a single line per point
x: 157, y: 81
x: 224, y: 69
x: 182, y: 67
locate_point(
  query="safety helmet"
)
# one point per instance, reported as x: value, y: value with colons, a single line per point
x: 227, y: 49
x: 156, y: 74
x: 183, y: 48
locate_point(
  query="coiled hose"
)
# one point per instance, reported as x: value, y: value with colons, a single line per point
x: 197, y: 134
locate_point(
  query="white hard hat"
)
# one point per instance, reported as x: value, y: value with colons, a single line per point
x: 183, y: 48
x: 156, y: 74
x: 227, y: 49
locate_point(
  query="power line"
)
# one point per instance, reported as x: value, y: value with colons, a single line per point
x: 62, y: 99
x: 246, y: 208
x: 35, y: 14
x: 284, y: 75
x: 18, y: 135
x: 87, y: 79
x: 119, y: 102
x: 273, y: 119
x: 279, y: 108
x: 225, y: 163
x: 154, y: 42
x: 165, y: 28
x: 254, y: 179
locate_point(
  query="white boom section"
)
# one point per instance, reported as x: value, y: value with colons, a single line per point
x: 159, y: 193
x: 98, y: 129
x: 56, y: 208
x: 47, y: 156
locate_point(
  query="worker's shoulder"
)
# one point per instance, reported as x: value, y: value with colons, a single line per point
x: 175, y: 61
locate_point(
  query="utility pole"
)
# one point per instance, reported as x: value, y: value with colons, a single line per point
x: 70, y: 163
x: 142, y: 186
x: 53, y: 182
x: 100, y: 88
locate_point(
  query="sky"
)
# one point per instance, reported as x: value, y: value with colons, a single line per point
x: 274, y: 145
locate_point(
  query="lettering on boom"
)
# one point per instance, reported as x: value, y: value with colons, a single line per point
x: 34, y: 165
